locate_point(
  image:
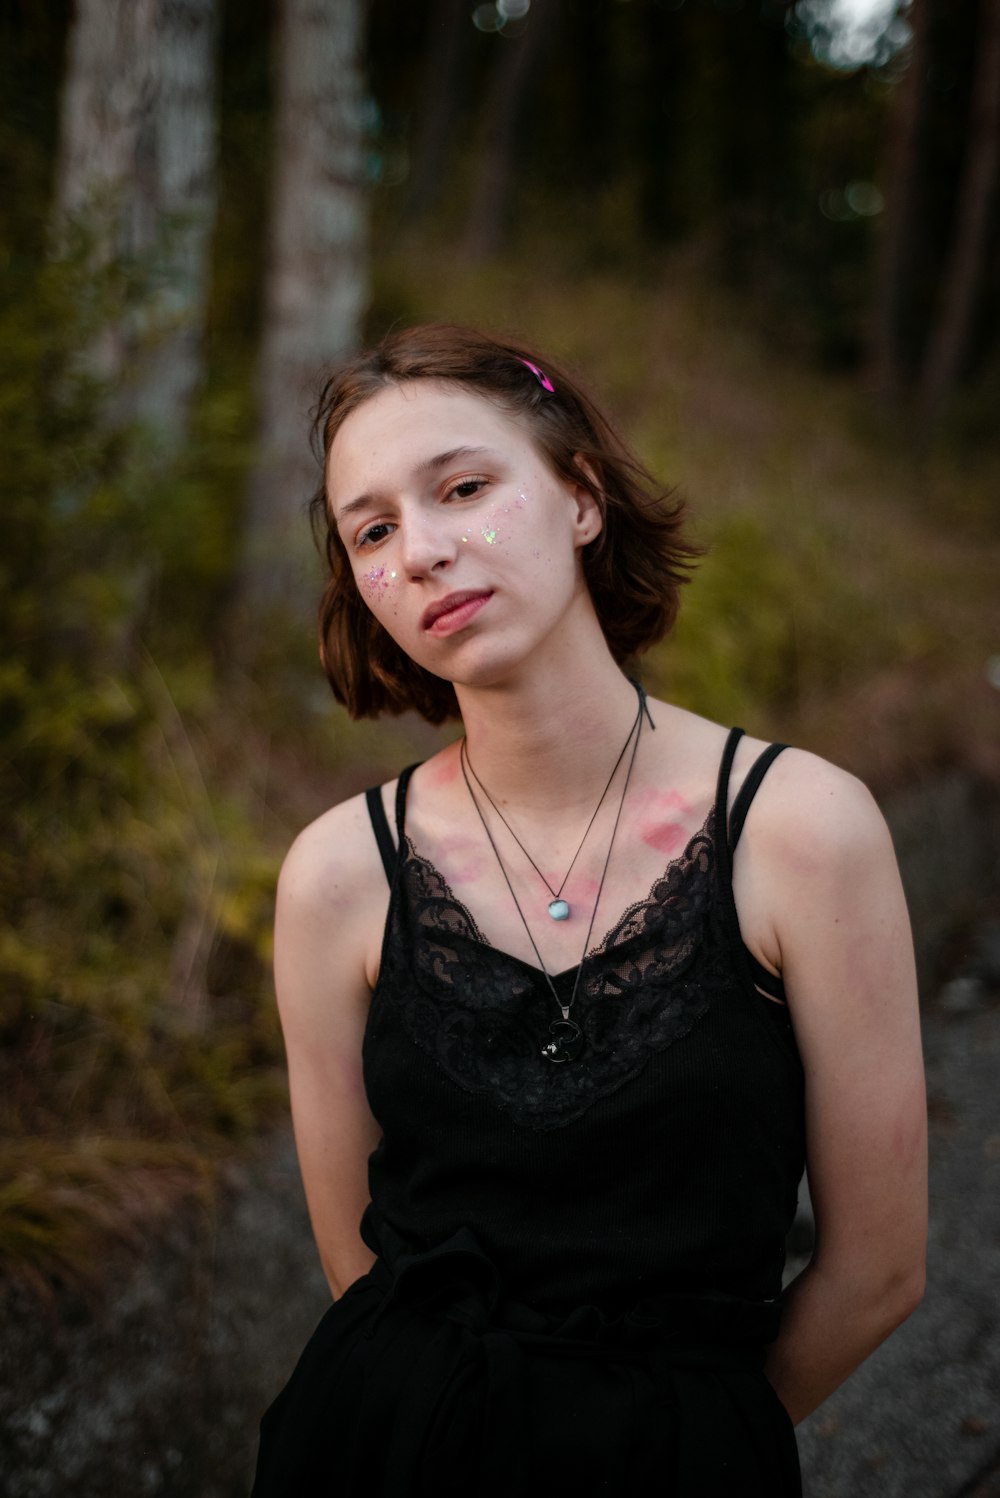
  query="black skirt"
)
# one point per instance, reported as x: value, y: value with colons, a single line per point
x: 423, y: 1381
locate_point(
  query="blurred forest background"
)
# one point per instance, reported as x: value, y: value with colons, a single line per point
x: 769, y: 238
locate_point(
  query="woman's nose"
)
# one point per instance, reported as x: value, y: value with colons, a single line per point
x: 427, y: 545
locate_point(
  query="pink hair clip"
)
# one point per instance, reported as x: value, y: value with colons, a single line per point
x: 542, y: 379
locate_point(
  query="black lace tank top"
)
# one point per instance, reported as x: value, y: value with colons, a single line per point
x: 666, y: 1158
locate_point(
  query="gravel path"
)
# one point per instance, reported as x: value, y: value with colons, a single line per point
x: 922, y: 1417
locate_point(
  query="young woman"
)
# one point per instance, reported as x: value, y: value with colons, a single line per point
x: 568, y: 1006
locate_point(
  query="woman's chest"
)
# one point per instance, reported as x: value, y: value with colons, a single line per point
x: 550, y: 907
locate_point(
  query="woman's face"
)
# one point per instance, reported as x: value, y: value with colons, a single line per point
x: 465, y: 544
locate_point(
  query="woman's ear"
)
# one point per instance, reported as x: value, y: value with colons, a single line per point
x: 588, y: 495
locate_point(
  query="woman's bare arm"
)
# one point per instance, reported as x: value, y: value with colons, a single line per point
x: 332, y: 900
x: 841, y: 930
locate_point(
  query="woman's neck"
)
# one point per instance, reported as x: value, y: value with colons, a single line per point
x: 546, y: 743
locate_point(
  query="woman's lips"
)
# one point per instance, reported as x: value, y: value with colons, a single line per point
x: 454, y: 612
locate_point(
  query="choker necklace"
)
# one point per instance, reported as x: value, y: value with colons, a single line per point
x: 559, y: 909
x: 566, y: 1043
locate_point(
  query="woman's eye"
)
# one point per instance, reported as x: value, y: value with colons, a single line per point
x: 373, y: 534
x: 466, y: 489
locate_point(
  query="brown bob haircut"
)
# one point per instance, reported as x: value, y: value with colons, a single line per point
x: 633, y: 569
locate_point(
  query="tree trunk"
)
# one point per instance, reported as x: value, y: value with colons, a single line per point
x: 316, y: 286
x: 137, y: 163
x: 950, y: 337
x: 107, y: 100
x: 898, y: 248
x: 106, y: 104
x: 180, y: 202
x: 506, y: 96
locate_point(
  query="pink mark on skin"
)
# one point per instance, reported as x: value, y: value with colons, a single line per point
x: 656, y: 828
x: 581, y: 893
x: 461, y: 861
x: 443, y: 770
x: 666, y: 837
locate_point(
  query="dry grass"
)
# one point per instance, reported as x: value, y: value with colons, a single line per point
x: 65, y: 1204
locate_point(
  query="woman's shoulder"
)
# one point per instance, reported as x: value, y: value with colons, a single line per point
x: 806, y: 797
x: 334, y: 862
x: 811, y: 817
x: 802, y: 800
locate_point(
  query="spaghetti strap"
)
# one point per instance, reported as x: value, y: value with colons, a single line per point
x: 722, y: 787
x: 380, y: 827
x: 380, y: 822
x: 748, y: 790
x: 404, y: 780
x: 756, y: 974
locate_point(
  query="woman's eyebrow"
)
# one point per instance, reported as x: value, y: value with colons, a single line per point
x: 443, y: 459
x: 428, y: 466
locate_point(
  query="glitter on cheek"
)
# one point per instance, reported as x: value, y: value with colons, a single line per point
x: 489, y: 535
x: 376, y: 583
x: 370, y: 580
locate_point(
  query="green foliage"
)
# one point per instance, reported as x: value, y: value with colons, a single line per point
x: 139, y: 1034
x: 770, y: 620
x: 133, y: 984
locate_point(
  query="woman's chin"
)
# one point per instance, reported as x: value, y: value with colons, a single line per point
x: 480, y: 670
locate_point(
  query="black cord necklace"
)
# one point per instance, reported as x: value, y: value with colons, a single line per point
x: 566, y: 1042
x: 559, y: 909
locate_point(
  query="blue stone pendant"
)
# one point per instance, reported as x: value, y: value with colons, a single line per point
x: 559, y: 910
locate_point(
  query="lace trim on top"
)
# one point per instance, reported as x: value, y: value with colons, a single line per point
x: 483, y: 1014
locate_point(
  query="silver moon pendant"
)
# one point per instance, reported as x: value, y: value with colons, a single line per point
x: 566, y: 1043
